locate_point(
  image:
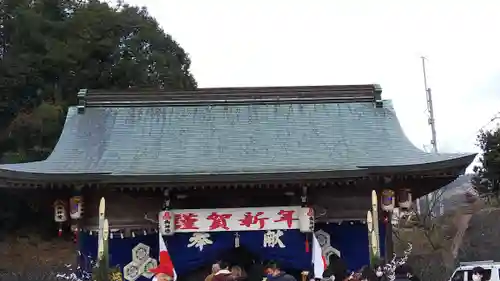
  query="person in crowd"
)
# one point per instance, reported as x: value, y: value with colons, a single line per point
x: 223, y: 274
x: 354, y: 276
x: 402, y: 273
x: 478, y: 274
x: 274, y: 273
x: 215, y: 269
x: 367, y: 274
x: 407, y: 270
x: 238, y: 273
x: 379, y: 272
x: 256, y: 271
x: 412, y: 275
x: 336, y: 268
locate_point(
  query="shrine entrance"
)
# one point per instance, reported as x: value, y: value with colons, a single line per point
x: 240, y: 256
x: 244, y: 237
x: 251, y: 265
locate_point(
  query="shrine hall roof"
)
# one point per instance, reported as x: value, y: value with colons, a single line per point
x: 284, y: 134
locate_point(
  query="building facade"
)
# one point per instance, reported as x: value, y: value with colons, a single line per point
x: 323, y: 147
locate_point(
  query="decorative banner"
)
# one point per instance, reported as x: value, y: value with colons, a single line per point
x: 166, y: 222
x: 237, y: 219
x: 273, y: 239
x: 324, y: 240
x: 200, y: 240
x: 140, y: 264
x: 306, y: 219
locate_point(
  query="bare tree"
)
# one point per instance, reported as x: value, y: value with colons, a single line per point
x: 436, y: 231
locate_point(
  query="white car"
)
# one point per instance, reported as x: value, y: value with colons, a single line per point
x: 464, y: 271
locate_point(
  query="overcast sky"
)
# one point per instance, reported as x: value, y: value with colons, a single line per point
x: 318, y: 42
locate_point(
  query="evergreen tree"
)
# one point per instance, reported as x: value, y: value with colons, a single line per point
x: 49, y: 49
x: 487, y: 178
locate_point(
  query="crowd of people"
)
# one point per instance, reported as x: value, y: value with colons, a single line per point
x: 377, y: 273
x: 336, y: 271
x: 222, y: 272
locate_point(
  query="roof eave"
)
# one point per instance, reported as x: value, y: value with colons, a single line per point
x: 458, y: 165
x: 460, y: 162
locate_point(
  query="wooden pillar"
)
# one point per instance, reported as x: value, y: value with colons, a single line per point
x: 388, y: 183
x: 77, y: 225
x: 389, y: 245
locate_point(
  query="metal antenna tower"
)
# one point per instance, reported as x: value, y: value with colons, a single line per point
x: 430, y: 109
x: 430, y: 199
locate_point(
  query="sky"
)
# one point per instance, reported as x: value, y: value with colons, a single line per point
x: 330, y: 42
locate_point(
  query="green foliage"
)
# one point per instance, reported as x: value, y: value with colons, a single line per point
x: 487, y: 178
x: 375, y: 260
x: 51, y: 48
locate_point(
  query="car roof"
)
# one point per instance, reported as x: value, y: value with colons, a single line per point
x: 485, y: 266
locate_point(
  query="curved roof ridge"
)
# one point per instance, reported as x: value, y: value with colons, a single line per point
x: 235, y: 139
x: 214, y: 96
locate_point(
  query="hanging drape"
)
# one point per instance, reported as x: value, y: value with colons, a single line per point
x: 350, y: 239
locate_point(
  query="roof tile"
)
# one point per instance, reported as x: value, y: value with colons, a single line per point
x: 231, y: 139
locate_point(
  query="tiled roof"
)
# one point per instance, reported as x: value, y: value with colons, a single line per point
x: 232, y: 139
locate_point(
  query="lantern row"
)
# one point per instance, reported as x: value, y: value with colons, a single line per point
x: 61, y: 211
x: 388, y: 199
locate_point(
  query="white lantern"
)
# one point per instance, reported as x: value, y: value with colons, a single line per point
x: 60, y: 212
x: 166, y: 221
x: 404, y: 199
x: 76, y: 207
x: 387, y: 198
x: 306, y: 219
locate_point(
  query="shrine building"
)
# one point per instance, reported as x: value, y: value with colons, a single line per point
x: 233, y: 168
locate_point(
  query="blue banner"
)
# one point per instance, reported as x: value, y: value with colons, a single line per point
x: 191, y: 251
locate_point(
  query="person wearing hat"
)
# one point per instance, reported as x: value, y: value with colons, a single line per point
x: 478, y: 274
x: 165, y: 269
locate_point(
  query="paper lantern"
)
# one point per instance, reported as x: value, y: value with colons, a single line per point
x: 76, y: 207
x: 60, y: 214
x: 387, y: 200
x: 404, y: 198
x: 306, y: 219
x: 166, y: 221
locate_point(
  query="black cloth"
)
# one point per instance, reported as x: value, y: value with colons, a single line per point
x: 283, y: 276
x: 337, y: 268
x: 414, y: 278
x: 401, y: 277
x: 383, y: 278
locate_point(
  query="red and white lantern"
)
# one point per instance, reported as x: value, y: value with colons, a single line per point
x: 388, y: 200
x: 76, y: 207
x: 60, y: 214
x: 404, y: 199
x: 306, y: 219
x: 166, y: 221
